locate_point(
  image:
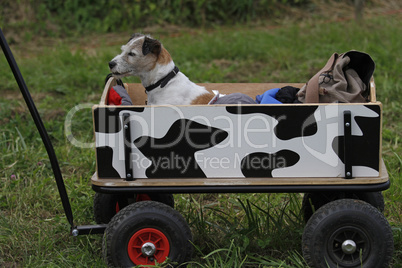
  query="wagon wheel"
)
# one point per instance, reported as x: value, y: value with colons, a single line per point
x: 166, y: 199
x: 348, y: 233
x: 144, y: 233
x: 313, y: 201
x: 107, y: 205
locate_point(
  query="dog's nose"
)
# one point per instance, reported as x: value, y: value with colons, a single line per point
x: 112, y: 64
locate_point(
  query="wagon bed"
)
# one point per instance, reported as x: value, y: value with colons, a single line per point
x: 345, y: 176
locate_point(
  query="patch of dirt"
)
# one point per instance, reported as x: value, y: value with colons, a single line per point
x: 20, y: 108
x: 222, y: 63
x: 54, y: 114
x: 9, y: 94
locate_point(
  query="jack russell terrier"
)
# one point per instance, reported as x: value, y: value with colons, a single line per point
x: 146, y: 58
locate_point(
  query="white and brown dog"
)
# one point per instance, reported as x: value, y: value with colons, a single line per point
x: 146, y: 58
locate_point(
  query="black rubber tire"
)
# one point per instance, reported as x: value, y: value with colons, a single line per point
x: 105, y: 206
x: 166, y: 199
x: 342, y: 220
x: 145, y: 215
x: 313, y: 201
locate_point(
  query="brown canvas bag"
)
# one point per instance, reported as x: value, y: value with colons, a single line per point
x: 344, y: 78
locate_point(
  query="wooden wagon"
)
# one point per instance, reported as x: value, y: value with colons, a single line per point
x: 329, y: 152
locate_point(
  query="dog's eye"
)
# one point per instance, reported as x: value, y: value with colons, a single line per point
x: 132, y: 54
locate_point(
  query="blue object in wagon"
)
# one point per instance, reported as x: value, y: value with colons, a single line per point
x: 268, y: 97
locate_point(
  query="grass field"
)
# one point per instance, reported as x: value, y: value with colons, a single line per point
x: 237, y: 230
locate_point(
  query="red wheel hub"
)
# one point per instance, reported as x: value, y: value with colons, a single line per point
x: 143, y: 197
x: 147, y: 246
x: 117, y: 207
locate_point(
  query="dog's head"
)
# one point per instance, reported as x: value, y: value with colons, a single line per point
x: 140, y: 55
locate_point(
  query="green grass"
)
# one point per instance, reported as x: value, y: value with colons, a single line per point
x: 234, y: 230
x: 72, y: 17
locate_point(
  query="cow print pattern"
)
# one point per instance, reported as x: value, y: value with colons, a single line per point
x: 262, y: 164
x: 292, y: 122
x: 173, y: 155
x: 108, y: 120
x: 105, y: 167
x: 284, y: 141
x: 365, y: 149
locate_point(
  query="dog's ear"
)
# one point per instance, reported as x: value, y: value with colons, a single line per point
x: 151, y: 45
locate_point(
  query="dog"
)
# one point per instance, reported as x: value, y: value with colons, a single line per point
x: 164, y: 84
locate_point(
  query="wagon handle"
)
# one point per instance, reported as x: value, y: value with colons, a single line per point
x: 41, y: 128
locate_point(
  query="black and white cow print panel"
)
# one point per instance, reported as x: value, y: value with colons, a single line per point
x: 237, y: 141
x: 366, y: 147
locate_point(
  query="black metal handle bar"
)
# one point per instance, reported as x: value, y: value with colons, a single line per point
x: 41, y: 128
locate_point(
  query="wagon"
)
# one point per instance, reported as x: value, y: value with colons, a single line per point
x: 145, y: 154
x: 330, y: 152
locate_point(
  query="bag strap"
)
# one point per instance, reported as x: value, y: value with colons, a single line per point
x: 312, y: 87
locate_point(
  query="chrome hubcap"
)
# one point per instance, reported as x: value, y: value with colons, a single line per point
x: 349, y: 246
x: 148, y: 249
